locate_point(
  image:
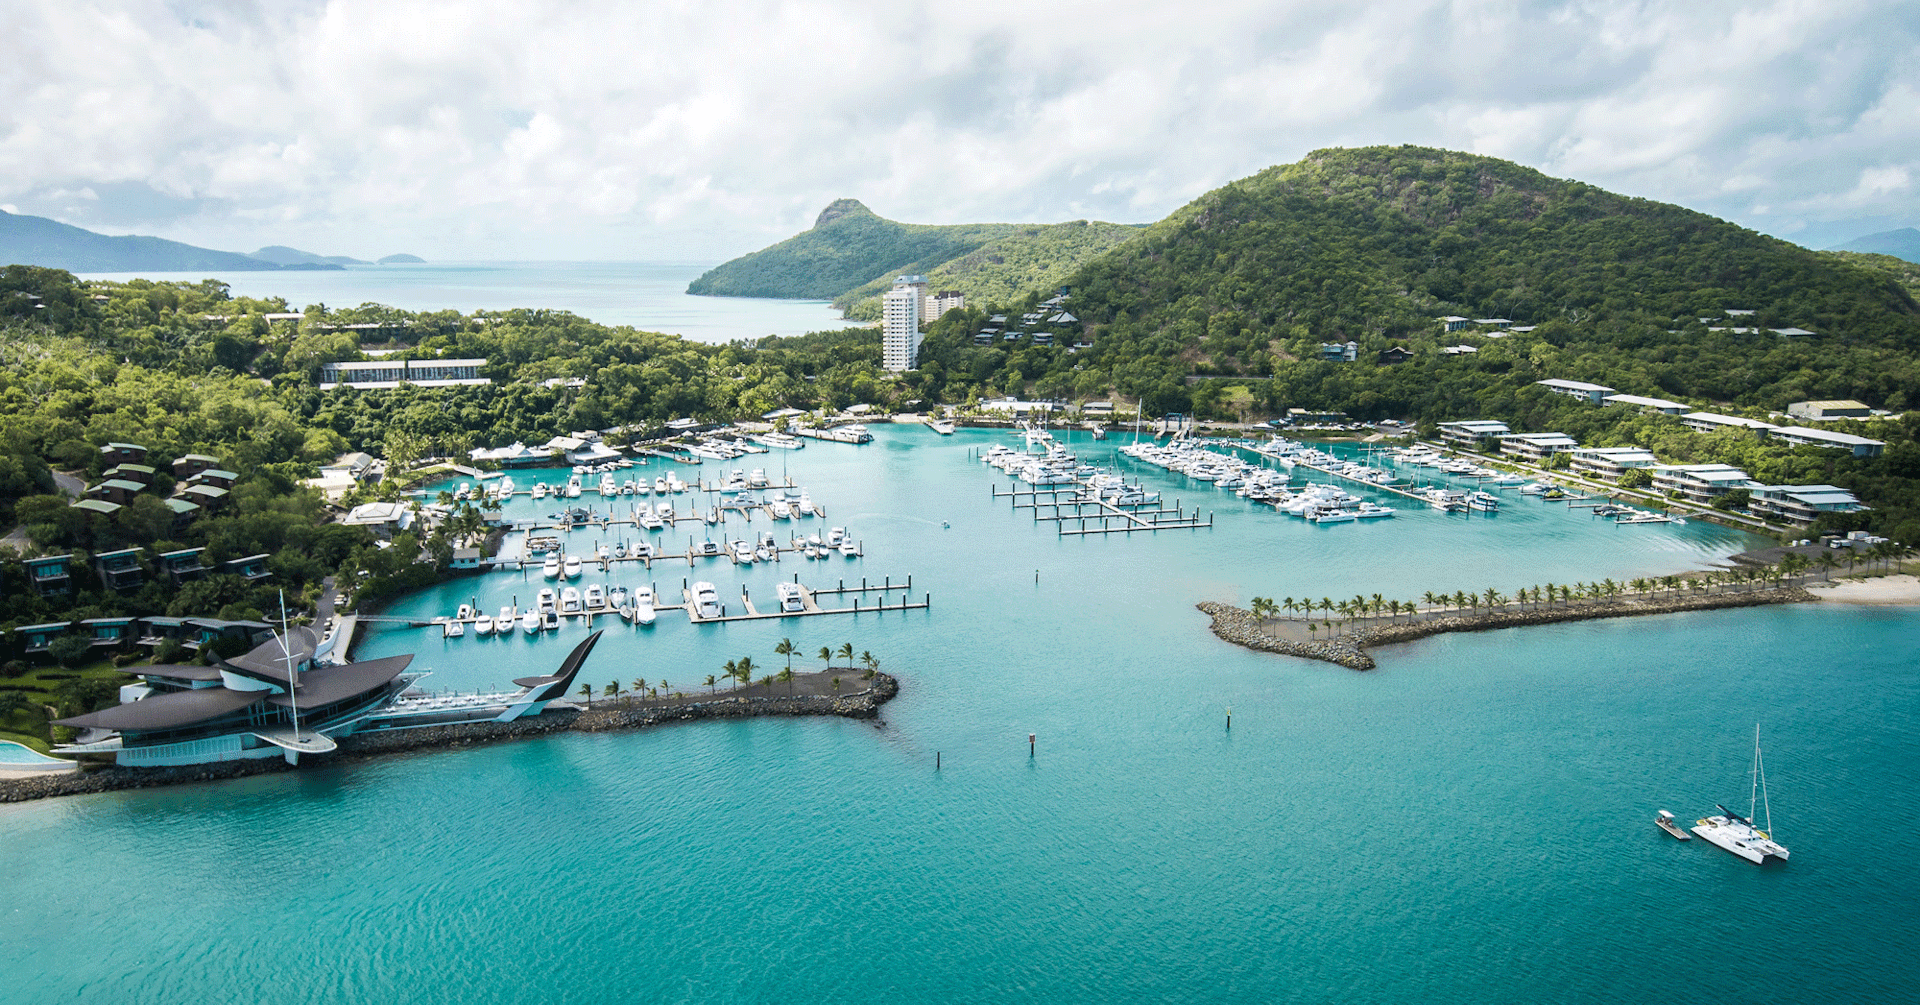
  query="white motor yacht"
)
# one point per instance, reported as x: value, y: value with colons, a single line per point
x: 805, y: 506
x: 643, y: 604
x: 551, y: 567
x: 617, y: 597
x: 546, y: 599
x: 848, y: 549
x: 539, y: 490
x: 779, y: 510
x: 572, y: 566
x: 530, y: 622
x: 706, y: 600
x: 942, y: 426
x: 742, y: 552
x: 483, y: 625
x: 573, y: 487
x: 790, y: 598
x: 609, y: 487
x: 503, y: 622
x: 549, y: 620
x: 595, y: 598
x: 570, y: 602
x: 834, y: 537
x: 641, y: 550
x: 452, y: 629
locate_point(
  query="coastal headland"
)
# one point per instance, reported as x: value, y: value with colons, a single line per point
x: 1349, y: 648
x: 808, y: 694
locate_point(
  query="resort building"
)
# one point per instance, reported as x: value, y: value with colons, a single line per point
x: 384, y: 518
x: 123, y: 453
x: 1015, y: 406
x: 1460, y: 350
x: 1699, y: 482
x: 281, y: 699
x: 50, y: 575
x: 1650, y: 404
x: 1537, y: 447
x: 1338, y: 352
x: 1453, y: 323
x: 1498, y: 324
x: 1801, y: 504
x: 1612, y: 462
x: 1803, y: 436
x: 120, y: 571
x: 900, y: 320
x: 131, y: 472
x: 1594, y: 393
x: 192, y: 464
x: 1821, y: 411
x: 583, y: 447
x: 1707, y: 422
x: 182, y: 566
x: 1395, y: 354
x: 1473, y: 434
x: 36, y: 638
x: 944, y: 301
x: 516, y: 455
x: 386, y: 374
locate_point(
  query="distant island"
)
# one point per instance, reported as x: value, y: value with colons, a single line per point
x: 851, y: 255
x: 403, y: 259
x: 1903, y: 244
x: 36, y: 240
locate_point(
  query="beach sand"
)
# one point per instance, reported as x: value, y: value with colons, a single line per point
x: 1903, y: 590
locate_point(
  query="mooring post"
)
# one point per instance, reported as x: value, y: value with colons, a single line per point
x: 1030, y: 746
x: 1229, y: 717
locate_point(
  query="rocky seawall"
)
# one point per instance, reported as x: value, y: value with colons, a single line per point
x: 603, y: 718
x: 1241, y: 628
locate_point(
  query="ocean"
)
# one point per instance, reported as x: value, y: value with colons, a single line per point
x: 650, y: 296
x: 1471, y: 822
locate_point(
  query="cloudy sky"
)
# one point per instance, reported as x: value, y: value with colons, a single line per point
x: 668, y: 130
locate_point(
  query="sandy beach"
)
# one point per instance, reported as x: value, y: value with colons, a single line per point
x: 1902, y: 590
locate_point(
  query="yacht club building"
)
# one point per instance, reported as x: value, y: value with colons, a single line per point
x: 1804, y: 436
x: 1801, y: 504
x: 1612, y: 462
x: 1473, y: 434
x: 1593, y: 393
x: 386, y: 374
x: 1537, y: 447
x: 1699, y: 483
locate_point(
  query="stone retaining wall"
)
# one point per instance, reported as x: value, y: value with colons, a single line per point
x: 859, y: 705
x: 1241, y: 628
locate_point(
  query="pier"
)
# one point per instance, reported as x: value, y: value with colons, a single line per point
x: 809, y: 603
x: 1114, y: 519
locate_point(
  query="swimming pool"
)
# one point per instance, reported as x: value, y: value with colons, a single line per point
x: 19, y: 755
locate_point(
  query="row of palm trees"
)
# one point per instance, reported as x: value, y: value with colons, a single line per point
x: 1361, y: 607
x: 741, y: 670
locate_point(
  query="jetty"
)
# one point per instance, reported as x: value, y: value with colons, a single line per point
x: 1349, y: 649
x: 1113, y: 518
x: 843, y: 692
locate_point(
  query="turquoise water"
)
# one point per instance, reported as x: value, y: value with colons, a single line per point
x: 1470, y: 822
x: 19, y: 753
x: 650, y: 296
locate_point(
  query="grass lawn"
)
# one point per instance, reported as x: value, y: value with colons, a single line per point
x: 30, y: 725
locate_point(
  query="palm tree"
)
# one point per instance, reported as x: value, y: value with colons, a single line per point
x: 611, y: 690
x: 1393, y: 608
x: 586, y: 690
x: 786, y: 648
x: 1379, y: 604
x: 731, y: 670
x: 1326, y: 606
x: 746, y: 670
x: 871, y: 662
x: 711, y: 682
x: 664, y: 688
x: 786, y: 677
x: 845, y: 652
x: 826, y: 658
x: 1492, y: 596
x: 1287, y: 605
x: 1566, y: 595
x: 1549, y: 594
x: 1431, y: 600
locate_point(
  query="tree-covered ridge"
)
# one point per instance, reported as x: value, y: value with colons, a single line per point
x: 1033, y: 257
x: 848, y: 246
x: 1379, y: 241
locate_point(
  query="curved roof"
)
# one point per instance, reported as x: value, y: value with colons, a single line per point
x: 326, y: 685
x: 559, y: 681
x: 190, y: 672
x: 167, y: 711
x: 268, y: 660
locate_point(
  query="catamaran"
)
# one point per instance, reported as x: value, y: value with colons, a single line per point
x: 1736, y: 833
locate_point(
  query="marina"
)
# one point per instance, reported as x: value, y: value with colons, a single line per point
x: 1115, y: 825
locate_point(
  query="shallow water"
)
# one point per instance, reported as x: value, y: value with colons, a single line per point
x: 1470, y: 822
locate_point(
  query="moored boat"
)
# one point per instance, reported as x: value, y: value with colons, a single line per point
x: 1738, y: 834
x: 1664, y: 821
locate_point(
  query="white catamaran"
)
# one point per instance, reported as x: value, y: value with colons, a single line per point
x: 1736, y: 833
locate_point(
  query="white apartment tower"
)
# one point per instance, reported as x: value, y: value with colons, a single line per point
x: 902, y: 310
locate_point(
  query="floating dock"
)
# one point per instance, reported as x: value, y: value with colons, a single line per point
x: 1113, y: 519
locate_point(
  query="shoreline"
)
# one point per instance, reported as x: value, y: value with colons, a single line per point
x: 1241, y: 628
x: 612, y: 716
x: 1899, y: 590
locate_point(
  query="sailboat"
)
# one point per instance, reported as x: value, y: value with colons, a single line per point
x: 1736, y: 833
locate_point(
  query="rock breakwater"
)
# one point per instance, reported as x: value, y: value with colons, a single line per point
x: 1241, y: 628
x: 607, y: 717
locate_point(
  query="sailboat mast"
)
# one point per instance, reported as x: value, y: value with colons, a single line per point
x: 1753, y: 788
x: 1760, y: 768
x: 286, y: 649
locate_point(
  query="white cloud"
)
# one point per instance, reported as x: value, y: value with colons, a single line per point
x: 608, y: 129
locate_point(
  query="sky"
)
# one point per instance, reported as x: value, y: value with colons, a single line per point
x: 664, y: 130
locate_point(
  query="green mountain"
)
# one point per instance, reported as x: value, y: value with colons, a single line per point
x: 1903, y: 243
x: 1378, y: 242
x: 851, y: 255
x: 280, y: 254
x: 36, y: 240
x: 1033, y: 257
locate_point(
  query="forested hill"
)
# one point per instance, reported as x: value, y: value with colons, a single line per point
x: 1348, y: 244
x: 36, y: 240
x: 851, y: 255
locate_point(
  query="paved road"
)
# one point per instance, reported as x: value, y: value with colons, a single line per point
x: 69, y: 484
